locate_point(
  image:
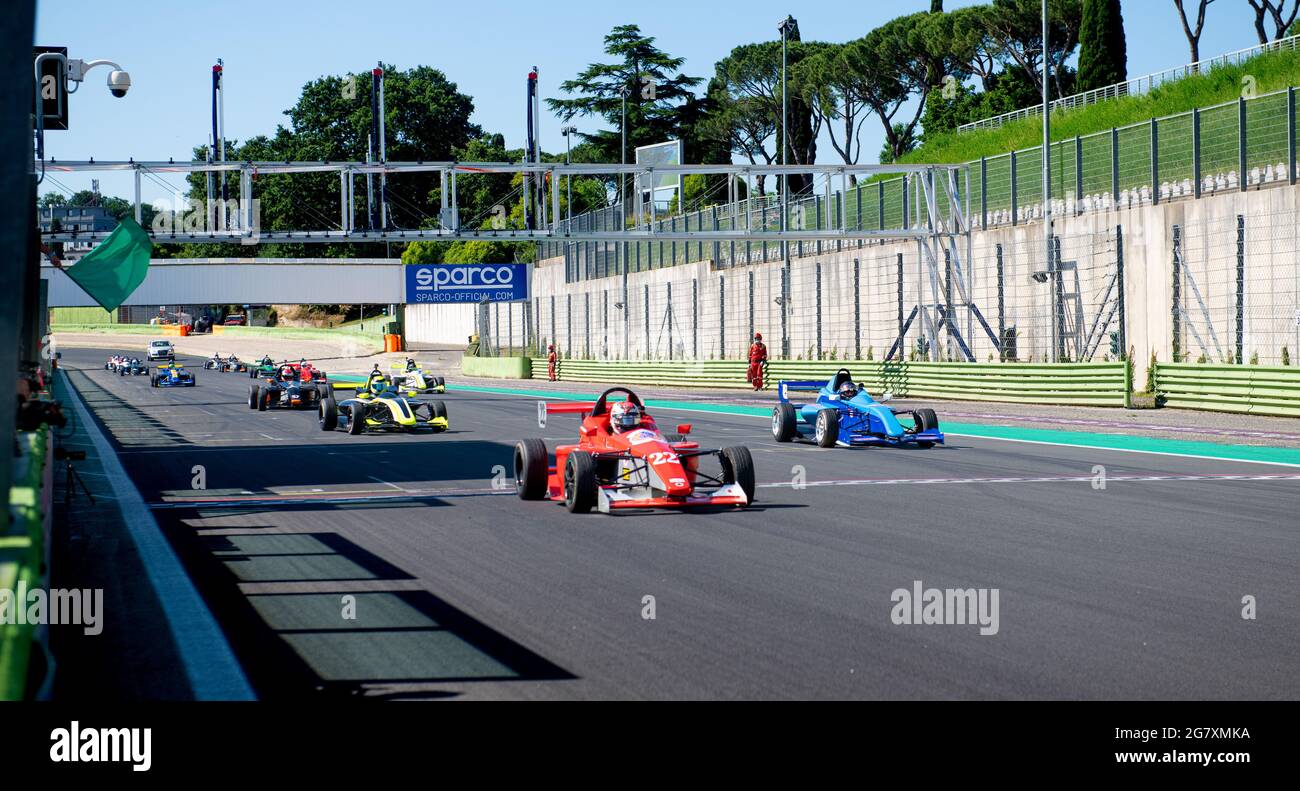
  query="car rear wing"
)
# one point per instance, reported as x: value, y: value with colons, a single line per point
x: 545, y: 408
x: 347, y: 381
x: 806, y: 386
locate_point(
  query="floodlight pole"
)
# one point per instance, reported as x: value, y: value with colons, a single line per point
x: 1049, y: 267
x: 383, y: 154
x: 622, y: 177
x: 568, y: 132
x: 785, y: 27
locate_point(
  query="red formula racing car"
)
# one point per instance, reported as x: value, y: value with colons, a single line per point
x: 621, y: 461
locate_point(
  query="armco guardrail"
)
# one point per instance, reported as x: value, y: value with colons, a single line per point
x: 1096, y: 384
x: 22, y: 554
x: 1252, y: 389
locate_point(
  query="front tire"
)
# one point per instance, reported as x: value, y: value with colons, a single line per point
x: 784, y: 422
x: 827, y: 432
x: 263, y: 401
x: 329, y: 414
x: 531, y: 469
x: 356, y: 421
x: 254, y: 395
x: 579, y: 482
x: 738, y: 468
x: 925, y: 420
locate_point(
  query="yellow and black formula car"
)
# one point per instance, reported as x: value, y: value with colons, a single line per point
x: 377, y: 406
x: 410, y: 379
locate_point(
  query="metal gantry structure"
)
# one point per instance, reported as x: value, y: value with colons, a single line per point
x: 245, y: 222
x: 938, y: 219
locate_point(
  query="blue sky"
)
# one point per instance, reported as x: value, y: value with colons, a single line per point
x: 272, y: 47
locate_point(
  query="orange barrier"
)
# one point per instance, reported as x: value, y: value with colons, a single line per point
x: 392, y: 343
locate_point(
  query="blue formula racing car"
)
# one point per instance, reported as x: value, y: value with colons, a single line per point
x: 845, y: 415
x: 172, y: 375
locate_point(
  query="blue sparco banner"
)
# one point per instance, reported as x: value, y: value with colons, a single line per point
x: 430, y: 283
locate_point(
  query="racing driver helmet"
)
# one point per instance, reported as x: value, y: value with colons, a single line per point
x: 848, y: 390
x: 624, y: 416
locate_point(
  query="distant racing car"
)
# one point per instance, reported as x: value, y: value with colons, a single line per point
x: 409, y: 378
x: 217, y: 363
x: 377, y: 406
x: 264, y: 367
x: 844, y: 415
x: 132, y: 367
x: 622, y: 461
x: 172, y: 375
x: 293, y: 385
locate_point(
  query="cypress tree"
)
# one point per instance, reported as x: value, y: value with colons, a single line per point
x: 1103, y: 51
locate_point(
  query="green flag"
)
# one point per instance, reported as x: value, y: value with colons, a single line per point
x: 115, y: 268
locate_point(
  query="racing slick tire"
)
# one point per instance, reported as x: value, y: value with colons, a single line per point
x: 531, y: 469
x: 356, y: 423
x: 925, y: 420
x: 579, y: 482
x: 827, y: 431
x: 153, y: 380
x: 738, y: 467
x: 263, y: 401
x: 328, y: 413
x: 438, y: 382
x: 438, y: 408
x: 252, y: 373
x: 254, y: 395
x: 785, y: 423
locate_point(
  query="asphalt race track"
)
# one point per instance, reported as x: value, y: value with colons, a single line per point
x: 462, y: 590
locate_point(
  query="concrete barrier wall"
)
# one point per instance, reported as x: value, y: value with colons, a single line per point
x: 498, y: 367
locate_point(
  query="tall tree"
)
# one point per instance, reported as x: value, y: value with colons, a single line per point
x: 749, y: 95
x: 1103, y: 50
x: 656, y: 89
x: 828, y: 91
x: 744, y: 125
x: 426, y: 119
x: 896, y: 66
x: 1016, y: 25
x: 1276, y: 11
x: 1193, y: 32
x: 973, y: 41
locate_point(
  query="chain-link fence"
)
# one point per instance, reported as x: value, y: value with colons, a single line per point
x: 997, y: 301
x: 1236, y: 146
x: 1235, y: 290
x: 1231, y: 282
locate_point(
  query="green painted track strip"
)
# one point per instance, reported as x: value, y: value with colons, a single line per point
x: 1076, y: 439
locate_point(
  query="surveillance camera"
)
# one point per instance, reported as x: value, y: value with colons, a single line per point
x: 119, y: 82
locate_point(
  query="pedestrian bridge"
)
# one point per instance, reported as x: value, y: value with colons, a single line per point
x: 250, y: 281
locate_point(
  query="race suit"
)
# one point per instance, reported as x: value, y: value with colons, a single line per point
x: 757, y: 356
